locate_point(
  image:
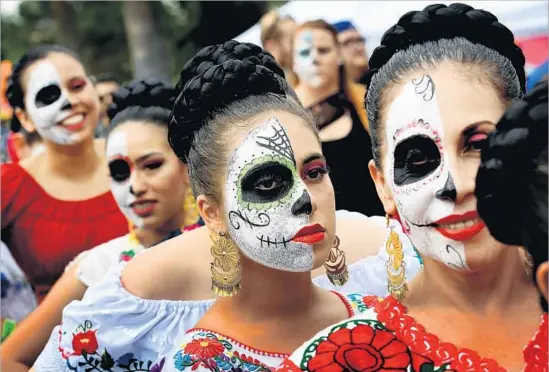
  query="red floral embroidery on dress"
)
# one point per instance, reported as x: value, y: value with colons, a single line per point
x: 536, y: 353
x: 423, y: 344
x: 360, y: 349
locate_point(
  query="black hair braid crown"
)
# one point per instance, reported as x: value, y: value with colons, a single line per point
x: 142, y: 93
x: 439, y: 21
x: 508, y: 187
x: 206, y: 94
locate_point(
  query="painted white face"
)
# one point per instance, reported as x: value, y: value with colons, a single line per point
x: 267, y: 202
x: 305, y: 54
x: 120, y: 167
x: 418, y: 170
x: 47, y: 104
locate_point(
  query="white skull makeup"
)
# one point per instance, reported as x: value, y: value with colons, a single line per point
x: 47, y: 104
x: 418, y: 173
x: 120, y: 168
x: 304, y: 59
x: 267, y: 201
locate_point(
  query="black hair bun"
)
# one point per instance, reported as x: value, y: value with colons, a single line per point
x: 439, y: 21
x: 217, y: 76
x: 142, y: 93
x: 512, y: 179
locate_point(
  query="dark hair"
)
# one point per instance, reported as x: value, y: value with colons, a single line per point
x: 511, y: 187
x: 422, y: 39
x: 14, y: 90
x: 223, y: 87
x: 105, y: 78
x: 147, y: 100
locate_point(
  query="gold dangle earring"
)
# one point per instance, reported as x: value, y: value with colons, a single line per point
x: 396, y: 267
x: 226, y: 279
x: 336, y: 265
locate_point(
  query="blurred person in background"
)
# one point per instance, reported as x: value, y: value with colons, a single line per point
x: 337, y: 105
x: 353, y: 49
x: 277, y: 32
x: 58, y: 203
x: 105, y: 85
x: 140, y: 159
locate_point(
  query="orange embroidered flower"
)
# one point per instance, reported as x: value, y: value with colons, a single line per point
x: 204, y: 348
x: 84, y: 342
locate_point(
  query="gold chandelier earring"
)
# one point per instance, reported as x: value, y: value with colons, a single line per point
x: 226, y: 278
x: 336, y: 265
x: 396, y: 267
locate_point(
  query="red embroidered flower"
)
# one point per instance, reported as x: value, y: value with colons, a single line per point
x: 204, y: 348
x: 84, y: 342
x: 360, y: 349
x: 466, y: 360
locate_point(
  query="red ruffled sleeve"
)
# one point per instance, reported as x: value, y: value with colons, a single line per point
x: 44, y: 234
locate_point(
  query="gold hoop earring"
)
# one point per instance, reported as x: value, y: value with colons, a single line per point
x: 226, y: 272
x: 336, y: 265
x: 190, y: 209
x: 396, y: 267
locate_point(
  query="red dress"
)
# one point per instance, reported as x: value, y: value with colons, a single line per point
x: 44, y: 234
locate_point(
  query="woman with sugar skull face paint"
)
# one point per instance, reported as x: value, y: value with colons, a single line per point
x: 151, y: 188
x: 337, y: 106
x: 278, y: 181
x: 61, y: 193
x: 440, y: 81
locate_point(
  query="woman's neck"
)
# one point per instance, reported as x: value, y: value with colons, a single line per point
x: 309, y: 95
x: 73, y: 162
x: 268, y: 293
x: 151, y: 237
x: 497, y: 288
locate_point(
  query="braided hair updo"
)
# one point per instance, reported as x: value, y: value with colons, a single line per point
x: 511, y: 187
x: 221, y: 89
x: 422, y: 39
x: 146, y: 100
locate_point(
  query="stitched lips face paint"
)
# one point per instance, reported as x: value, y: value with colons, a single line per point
x: 120, y: 167
x: 419, y: 175
x: 267, y: 202
x: 48, y: 106
x: 305, y: 54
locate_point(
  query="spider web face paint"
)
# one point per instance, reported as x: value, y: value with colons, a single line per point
x: 47, y: 104
x: 263, y: 187
x: 120, y: 168
x: 417, y: 168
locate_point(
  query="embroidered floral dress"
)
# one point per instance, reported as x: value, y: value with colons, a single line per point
x: 385, y: 338
x: 205, y: 350
x: 109, y: 320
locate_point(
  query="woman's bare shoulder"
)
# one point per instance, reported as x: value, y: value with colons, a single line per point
x: 177, y: 269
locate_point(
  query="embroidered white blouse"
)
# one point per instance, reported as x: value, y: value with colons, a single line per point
x: 113, y: 330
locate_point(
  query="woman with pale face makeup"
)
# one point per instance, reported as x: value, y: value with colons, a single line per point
x: 257, y: 169
x: 150, y: 186
x: 336, y: 104
x: 441, y: 80
x: 57, y: 202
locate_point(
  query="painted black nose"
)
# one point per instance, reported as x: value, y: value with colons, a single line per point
x: 448, y: 191
x: 303, y: 205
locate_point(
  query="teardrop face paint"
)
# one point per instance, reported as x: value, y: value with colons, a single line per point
x: 120, y: 168
x: 418, y: 171
x: 267, y: 202
x: 48, y: 106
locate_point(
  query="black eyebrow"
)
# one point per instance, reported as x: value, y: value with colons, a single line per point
x: 312, y: 157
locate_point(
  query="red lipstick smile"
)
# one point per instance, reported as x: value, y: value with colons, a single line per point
x: 143, y: 208
x: 311, y: 234
x: 460, y: 227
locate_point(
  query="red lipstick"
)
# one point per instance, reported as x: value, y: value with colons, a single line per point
x: 311, y: 234
x: 460, y: 227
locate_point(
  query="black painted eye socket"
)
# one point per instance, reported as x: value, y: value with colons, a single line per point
x: 120, y: 170
x: 266, y: 183
x: 415, y: 158
x: 47, y: 95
